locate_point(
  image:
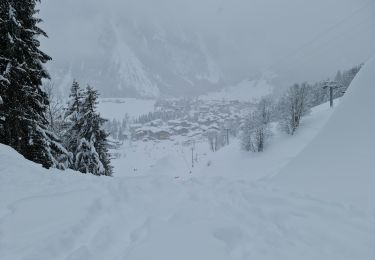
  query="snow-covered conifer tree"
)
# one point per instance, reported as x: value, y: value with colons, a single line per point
x: 92, y: 153
x: 71, y: 135
x: 23, y: 115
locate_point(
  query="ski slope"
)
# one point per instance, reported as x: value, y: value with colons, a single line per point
x: 237, y: 206
x: 340, y: 163
x: 54, y: 215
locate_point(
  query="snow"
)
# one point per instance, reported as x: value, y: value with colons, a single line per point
x: 131, y: 70
x: 117, y: 108
x: 149, y: 215
x: 246, y: 90
x: 231, y: 205
x: 339, y: 163
x: 278, y: 152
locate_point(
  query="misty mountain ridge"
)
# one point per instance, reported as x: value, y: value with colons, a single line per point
x: 143, y: 60
x: 145, y: 48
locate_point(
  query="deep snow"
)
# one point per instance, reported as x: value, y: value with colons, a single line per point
x: 230, y: 208
x: 339, y: 164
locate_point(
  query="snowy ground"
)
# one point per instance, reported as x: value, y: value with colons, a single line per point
x: 173, y: 158
x: 340, y: 163
x: 162, y: 211
x: 231, y: 205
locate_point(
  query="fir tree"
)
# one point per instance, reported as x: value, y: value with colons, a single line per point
x: 338, y: 77
x: 71, y: 119
x: 23, y: 114
x: 75, y: 100
x: 92, y: 153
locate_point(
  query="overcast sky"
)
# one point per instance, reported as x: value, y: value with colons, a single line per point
x: 305, y: 40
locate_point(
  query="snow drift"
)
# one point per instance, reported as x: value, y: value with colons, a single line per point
x: 339, y: 164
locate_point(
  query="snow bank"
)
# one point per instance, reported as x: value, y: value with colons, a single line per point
x: 339, y: 164
x: 42, y: 211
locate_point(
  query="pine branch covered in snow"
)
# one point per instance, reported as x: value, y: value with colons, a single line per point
x: 24, y: 124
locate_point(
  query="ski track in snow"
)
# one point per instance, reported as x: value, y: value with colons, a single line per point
x: 163, y: 218
x: 228, y: 210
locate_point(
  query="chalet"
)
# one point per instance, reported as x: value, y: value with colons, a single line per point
x: 179, y: 130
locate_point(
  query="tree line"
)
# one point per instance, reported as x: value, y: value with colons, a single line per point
x: 288, y: 111
x: 28, y: 119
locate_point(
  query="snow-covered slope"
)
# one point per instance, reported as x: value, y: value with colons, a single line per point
x: 232, y: 162
x: 171, y: 158
x: 47, y: 214
x: 339, y: 164
x: 154, y: 208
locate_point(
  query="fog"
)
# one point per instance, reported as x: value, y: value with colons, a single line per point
x: 296, y: 40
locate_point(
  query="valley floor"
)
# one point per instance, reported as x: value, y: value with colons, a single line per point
x: 158, y: 207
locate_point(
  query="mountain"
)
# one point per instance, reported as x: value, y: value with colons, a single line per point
x: 147, y: 48
x: 142, y: 60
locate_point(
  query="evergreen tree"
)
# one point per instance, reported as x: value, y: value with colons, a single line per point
x: 92, y: 153
x: 75, y: 101
x: 317, y: 94
x: 347, y: 78
x: 338, y: 77
x: 23, y: 114
x: 71, y: 119
x: 87, y: 159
